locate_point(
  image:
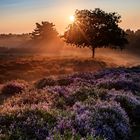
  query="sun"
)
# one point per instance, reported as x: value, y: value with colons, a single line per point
x: 72, y: 18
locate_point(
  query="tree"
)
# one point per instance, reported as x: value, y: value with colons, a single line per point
x: 96, y: 29
x: 129, y: 32
x: 44, y: 31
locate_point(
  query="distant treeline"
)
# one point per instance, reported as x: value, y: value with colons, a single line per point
x: 14, y: 35
x: 8, y: 41
x: 132, y: 47
x: 134, y: 41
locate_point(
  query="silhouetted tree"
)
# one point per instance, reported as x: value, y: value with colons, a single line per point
x: 44, y: 31
x: 134, y: 41
x: 129, y: 32
x: 137, y: 33
x: 95, y: 29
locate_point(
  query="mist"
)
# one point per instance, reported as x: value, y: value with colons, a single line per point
x: 56, y: 47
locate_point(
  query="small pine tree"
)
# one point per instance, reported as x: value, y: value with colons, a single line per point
x: 44, y: 31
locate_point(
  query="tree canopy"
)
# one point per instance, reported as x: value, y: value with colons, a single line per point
x: 96, y: 29
x: 44, y: 31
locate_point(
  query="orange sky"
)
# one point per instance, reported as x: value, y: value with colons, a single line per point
x: 20, y: 16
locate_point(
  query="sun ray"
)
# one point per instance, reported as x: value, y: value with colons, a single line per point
x: 72, y: 18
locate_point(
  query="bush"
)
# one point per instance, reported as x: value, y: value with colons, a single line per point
x: 64, y: 81
x: 119, y: 85
x: 45, y: 82
x: 130, y: 104
x: 86, y: 106
x: 60, y: 103
x: 31, y: 124
x: 101, y: 93
x: 111, y: 121
x: 62, y: 91
x: 104, y: 119
x: 81, y: 95
x: 13, y: 87
x: 69, y: 135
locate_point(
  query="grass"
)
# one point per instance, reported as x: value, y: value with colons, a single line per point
x: 31, y: 68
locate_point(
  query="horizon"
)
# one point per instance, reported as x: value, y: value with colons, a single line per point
x: 21, y: 16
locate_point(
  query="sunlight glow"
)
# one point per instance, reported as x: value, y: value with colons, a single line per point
x: 72, y: 18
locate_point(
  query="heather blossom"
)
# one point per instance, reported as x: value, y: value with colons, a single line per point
x: 80, y: 106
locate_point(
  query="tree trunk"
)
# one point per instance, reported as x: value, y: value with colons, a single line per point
x: 93, y: 52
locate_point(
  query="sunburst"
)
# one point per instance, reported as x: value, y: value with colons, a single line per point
x: 72, y: 18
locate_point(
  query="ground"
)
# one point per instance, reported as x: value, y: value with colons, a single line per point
x: 60, y: 98
x: 31, y: 68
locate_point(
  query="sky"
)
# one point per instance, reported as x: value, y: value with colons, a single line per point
x: 20, y: 16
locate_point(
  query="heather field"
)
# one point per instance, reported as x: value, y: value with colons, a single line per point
x: 98, y: 104
x: 33, y: 67
x: 69, y: 70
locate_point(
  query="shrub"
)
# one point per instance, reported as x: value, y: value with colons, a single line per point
x: 105, y: 119
x: 62, y: 91
x: 101, y: 93
x: 33, y: 99
x: 86, y: 106
x: 45, y: 82
x: 30, y: 97
x: 111, y: 121
x: 31, y: 124
x: 130, y: 104
x: 119, y: 85
x: 13, y: 87
x: 83, y: 75
x: 60, y: 103
x: 81, y: 94
x: 69, y: 135
x: 65, y: 130
x: 64, y: 81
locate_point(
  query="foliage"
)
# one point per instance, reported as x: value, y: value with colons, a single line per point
x: 64, y: 81
x: 13, y: 87
x: 50, y: 81
x: 31, y: 124
x: 45, y: 82
x: 76, y: 108
x: 134, y: 41
x: 96, y: 28
x: 44, y: 31
x: 81, y: 95
x: 128, y: 102
x: 106, y: 120
x: 111, y: 121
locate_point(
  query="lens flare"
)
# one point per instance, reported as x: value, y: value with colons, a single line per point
x: 72, y: 18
